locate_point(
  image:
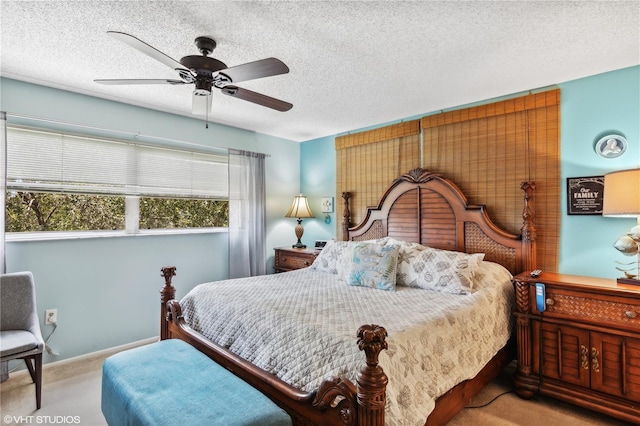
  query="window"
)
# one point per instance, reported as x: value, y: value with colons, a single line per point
x: 182, y: 213
x: 64, y: 182
x: 40, y: 211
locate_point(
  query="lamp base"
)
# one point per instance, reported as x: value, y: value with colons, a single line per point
x: 628, y: 281
x: 299, y: 232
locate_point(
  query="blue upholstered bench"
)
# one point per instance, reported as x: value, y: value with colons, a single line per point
x: 172, y: 383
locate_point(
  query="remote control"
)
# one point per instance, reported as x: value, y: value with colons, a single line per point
x: 536, y: 273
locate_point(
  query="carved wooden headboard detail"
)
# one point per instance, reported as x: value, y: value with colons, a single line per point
x: 427, y: 208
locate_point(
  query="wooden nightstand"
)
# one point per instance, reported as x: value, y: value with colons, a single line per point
x: 289, y: 259
x: 584, y: 348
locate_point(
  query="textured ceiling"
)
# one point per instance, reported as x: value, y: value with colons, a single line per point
x: 353, y: 64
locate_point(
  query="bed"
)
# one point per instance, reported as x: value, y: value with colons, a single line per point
x: 428, y: 345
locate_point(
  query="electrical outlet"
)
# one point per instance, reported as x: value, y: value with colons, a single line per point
x: 51, y: 316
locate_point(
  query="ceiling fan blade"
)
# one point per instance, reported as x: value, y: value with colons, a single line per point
x: 201, y: 105
x: 258, y: 69
x: 151, y: 51
x: 118, y: 81
x: 256, y: 98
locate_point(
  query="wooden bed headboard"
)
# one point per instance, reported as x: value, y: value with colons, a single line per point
x: 429, y: 209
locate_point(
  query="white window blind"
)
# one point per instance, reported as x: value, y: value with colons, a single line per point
x: 40, y: 160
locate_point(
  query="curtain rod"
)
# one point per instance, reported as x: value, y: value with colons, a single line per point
x: 135, y: 136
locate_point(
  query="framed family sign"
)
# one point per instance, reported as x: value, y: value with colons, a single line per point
x: 585, y: 195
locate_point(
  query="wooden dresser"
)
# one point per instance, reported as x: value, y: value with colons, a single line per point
x: 584, y: 348
x: 289, y: 259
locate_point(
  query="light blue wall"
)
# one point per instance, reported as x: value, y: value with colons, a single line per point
x: 318, y: 180
x: 106, y: 290
x: 589, y: 107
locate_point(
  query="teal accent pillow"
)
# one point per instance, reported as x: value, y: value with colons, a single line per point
x: 374, y: 265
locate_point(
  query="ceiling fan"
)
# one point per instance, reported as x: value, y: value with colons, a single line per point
x: 206, y: 73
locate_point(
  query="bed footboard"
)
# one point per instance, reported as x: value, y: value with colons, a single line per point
x: 336, y: 402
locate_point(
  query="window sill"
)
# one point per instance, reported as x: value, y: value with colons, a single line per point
x: 77, y: 235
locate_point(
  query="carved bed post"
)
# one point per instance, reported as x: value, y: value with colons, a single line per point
x: 167, y: 293
x: 371, y: 381
x: 528, y: 227
x: 525, y: 381
x: 346, y: 216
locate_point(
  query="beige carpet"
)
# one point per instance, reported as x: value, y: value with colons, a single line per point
x: 71, y: 395
x: 509, y: 409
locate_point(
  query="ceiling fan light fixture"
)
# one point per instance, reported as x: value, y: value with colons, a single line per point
x: 203, y: 87
x: 206, y: 73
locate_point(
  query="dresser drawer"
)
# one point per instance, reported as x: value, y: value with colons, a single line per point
x: 290, y: 259
x: 593, y: 307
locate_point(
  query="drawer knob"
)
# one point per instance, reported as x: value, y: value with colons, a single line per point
x: 549, y: 302
x: 630, y: 314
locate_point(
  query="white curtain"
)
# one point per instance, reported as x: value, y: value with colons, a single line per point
x: 3, y: 184
x: 247, y: 214
x: 4, y: 366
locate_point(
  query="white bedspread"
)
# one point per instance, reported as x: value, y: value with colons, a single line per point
x: 301, y: 326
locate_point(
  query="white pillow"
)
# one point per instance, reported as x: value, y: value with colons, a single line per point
x: 330, y: 256
x: 443, y: 270
x: 407, y: 254
x: 344, y: 266
x: 490, y: 273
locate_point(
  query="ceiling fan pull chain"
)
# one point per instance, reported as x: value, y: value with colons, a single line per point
x: 206, y: 115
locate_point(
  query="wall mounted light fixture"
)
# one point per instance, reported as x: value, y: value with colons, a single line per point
x: 327, y: 207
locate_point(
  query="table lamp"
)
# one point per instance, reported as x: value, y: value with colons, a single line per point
x: 622, y: 199
x: 299, y: 209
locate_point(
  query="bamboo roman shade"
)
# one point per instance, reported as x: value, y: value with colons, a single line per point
x: 489, y: 150
x: 367, y: 163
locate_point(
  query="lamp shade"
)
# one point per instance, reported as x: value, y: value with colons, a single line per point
x: 299, y: 208
x: 622, y: 194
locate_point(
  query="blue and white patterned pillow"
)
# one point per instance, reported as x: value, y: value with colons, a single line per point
x: 374, y: 265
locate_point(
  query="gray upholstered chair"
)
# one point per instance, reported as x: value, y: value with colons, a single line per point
x: 20, y: 336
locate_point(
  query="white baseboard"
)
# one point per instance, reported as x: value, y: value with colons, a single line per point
x: 79, y: 364
x: 101, y: 354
